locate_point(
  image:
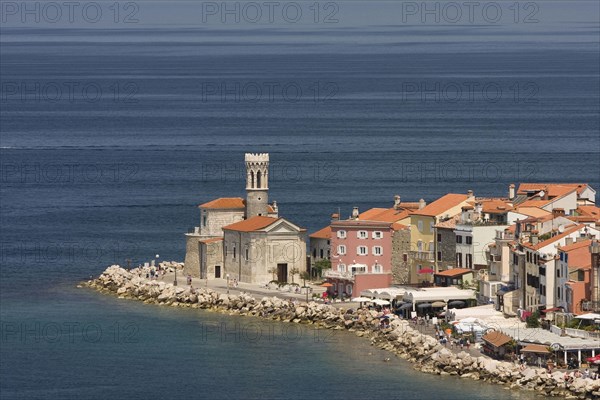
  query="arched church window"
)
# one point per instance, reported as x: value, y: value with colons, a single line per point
x: 258, y: 180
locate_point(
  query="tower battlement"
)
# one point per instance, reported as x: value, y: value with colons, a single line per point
x: 257, y: 157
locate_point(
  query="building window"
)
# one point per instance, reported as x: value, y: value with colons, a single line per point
x: 342, y: 267
x: 362, y: 250
x: 562, y: 256
x: 439, y: 238
x: 362, y: 234
x: 377, y: 250
x: 567, y: 258
x: 377, y: 235
x: 341, y: 234
x: 377, y: 269
x: 349, y: 289
x: 405, y: 257
x: 247, y: 254
x: 321, y: 253
x: 469, y: 260
x: 204, y: 219
x: 459, y: 259
x: 341, y: 249
x: 314, y: 253
x: 458, y: 239
x: 469, y: 239
x: 439, y: 256
x: 558, y: 272
x: 431, y: 227
x: 234, y: 252
x: 420, y: 226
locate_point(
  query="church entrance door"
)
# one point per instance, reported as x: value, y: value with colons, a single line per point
x: 282, y: 272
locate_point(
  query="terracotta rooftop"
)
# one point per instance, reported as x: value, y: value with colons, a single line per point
x: 442, y: 204
x: 398, y: 227
x: 496, y: 206
x: 454, y: 272
x: 552, y: 189
x: 553, y: 239
x: 324, y: 233
x: 449, y: 223
x: 224, y: 202
x: 251, y: 224
x: 212, y: 240
x: 532, y: 211
x: 590, y: 211
x: 367, y: 215
x: 358, y: 222
x: 579, y: 253
x: 496, y: 338
x: 389, y: 215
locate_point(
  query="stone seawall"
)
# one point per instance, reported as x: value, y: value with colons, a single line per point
x: 426, y: 354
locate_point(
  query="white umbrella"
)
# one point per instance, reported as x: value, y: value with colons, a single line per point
x: 361, y: 299
x: 380, y: 302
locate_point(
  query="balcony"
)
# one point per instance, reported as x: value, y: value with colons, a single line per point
x: 502, y: 235
x: 330, y: 273
x: 423, y: 255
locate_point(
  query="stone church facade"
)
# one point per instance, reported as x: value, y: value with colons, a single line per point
x: 246, y: 239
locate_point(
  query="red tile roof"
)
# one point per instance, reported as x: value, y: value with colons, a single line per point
x: 251, y: 224
x: 442, y: 204
x: 324, y: 233
x: 532, y: 211
x: 225, y: 202
x: 553, y: 239
x: 212, y: 240
x: 454, y: 272
x: 552, y: 189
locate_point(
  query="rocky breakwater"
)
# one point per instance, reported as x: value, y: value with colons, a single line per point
x: 401, y: 338
x: 429, y: 356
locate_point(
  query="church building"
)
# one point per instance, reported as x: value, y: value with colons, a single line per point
x: 246, y: 239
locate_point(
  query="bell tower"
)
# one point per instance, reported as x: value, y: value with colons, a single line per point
x: 257, y: 184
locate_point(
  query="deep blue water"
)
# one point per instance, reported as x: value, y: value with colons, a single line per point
x: 157, y: 120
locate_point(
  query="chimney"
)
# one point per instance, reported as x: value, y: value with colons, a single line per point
x: 355, y: 213
x: 397, y: 201
x: 533, y: 239
x: 335, y: 217
x: 422, y: 204
x: 478, y: 208
x: 558, y: 212
x: 511, y: 191
x: 274, y: 206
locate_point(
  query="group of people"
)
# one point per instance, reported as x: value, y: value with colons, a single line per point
x: 570, y: 377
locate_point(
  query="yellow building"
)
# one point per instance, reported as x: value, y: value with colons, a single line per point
x: 423, y: 234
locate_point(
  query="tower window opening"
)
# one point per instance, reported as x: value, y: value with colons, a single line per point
x: 258, y: 180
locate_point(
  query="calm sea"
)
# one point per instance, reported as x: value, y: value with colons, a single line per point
x: 116, y: 124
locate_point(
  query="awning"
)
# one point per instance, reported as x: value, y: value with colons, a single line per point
x: 496, y: 338
x: 553, y: 309
x: 588, y: 316
x: 424, y: 305
x: 456, y: 303
x: 535, y: 348
x: 425, y: 271
x: 438, y: 304
x: 405, y: 306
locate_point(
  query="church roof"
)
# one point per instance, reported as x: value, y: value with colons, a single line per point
x: 224, y: 202
x: 251, y: 224
x: 324, y: 233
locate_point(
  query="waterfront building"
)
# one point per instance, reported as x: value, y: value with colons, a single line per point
x: 264, y: 241
x: 573, y: 276
x: 320, y: 246
x: 422, y: 258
